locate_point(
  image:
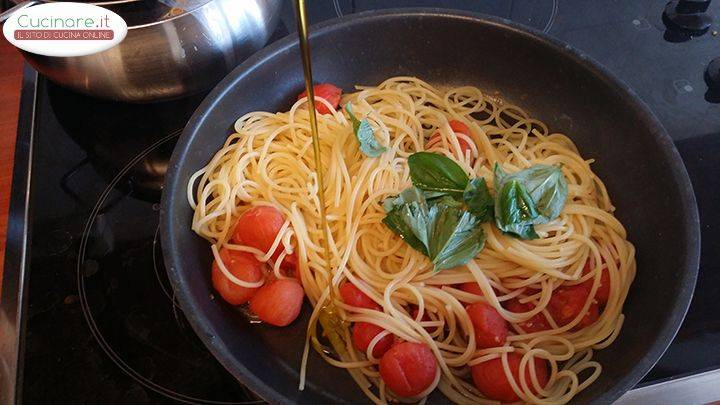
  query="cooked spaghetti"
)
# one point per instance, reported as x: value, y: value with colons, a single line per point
x: 547, y: 356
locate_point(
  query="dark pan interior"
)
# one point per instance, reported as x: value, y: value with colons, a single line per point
x: 637, y: 160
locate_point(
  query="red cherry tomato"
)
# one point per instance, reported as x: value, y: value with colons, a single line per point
x: 279, y: 302
x: 603, y: 292
x: 535, y: 324
x: 471, y: 288
x: 408, y: 368
x: 567, y: 302
x: 491, y: 329
x: 490, y: 378
x: 241, y: 265
x: 329, y: 92
x: 258, y: 227
x: 363, y: 333
x: 591, y: 316
x: 352, y: 296
x: 458, y: 126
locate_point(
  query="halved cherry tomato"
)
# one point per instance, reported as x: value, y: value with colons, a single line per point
x: 535, y: 324
x: 364, y: 332
x: 457, y: 127
x: 408, y: 368
x: 352, y: 296
x: 603, y: 292
x: 490, y: 378
x: 329, y: 92
x: 567, y: 302
x: 279, y: 302
x: 241, y: 265
x: 258, y: 227
x: 491, y: 329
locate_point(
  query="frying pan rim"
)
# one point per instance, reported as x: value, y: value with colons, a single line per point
x: 672, y: 158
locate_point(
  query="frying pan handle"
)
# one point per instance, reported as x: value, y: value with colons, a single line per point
x: 21, y: 6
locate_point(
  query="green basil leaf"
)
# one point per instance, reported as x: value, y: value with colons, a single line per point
x: 435, y: 172
x: 522, y: 231
x: 394, y: 220
x: 478, y: 199
x: 456, y: 236
x: 545, y: 184
x: 390, y: 203
x: 439, y: 228
x: 446, y: 201
x: 499, y: 174
x: 433, y: 195
x: 515, y: 210
x: 548, y: 188
x: 365, y: 136
x: 409, y: 218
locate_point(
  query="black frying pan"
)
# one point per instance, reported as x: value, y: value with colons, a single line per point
x: 559, y: 85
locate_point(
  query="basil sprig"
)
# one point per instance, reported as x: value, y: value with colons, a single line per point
x: 515, y: 211
x: 441, y: 215
x: 365, y: 135
x: 456, y: 235
x: 407, y: 216
x: 440, y: 228
x: 529, y: 197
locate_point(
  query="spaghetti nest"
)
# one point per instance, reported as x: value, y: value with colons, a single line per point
x: 269, y: 161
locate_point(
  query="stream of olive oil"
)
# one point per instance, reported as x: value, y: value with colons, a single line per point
x: 331, y: 323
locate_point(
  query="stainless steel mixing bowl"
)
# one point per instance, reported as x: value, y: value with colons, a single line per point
x: 167, y: 58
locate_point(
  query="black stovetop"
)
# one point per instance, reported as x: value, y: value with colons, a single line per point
x: 101, y: 323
